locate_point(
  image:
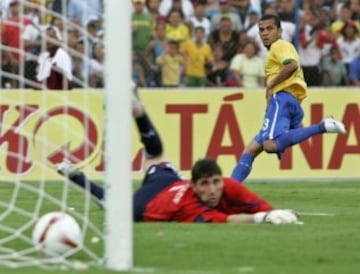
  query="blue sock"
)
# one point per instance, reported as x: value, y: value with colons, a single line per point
x: 298, y: 135
x: 81, y: 180
x: 243, y: 168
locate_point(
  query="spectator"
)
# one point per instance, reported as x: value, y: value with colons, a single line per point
x: 171, y: 64
x: 72, y: 38
x: 318, y: 4
x: 287, y: 10
x: 313, y: 38
x: 54, y: 70
x: 138, y: 74
x: 354, y: 71
x: 142, y: 30
x: 325, y: 17
x: 80, y: 11
x: 185, y: 7
x: 152, y: 7
x: 253, y: 19
x: 248, y: 68
x: 225, y: 11
x: 142, y: 27
x: 243, y: 9
x: 80, y: 65
x: 176, y: 30
x: 197, y: 54
x: 11, y: 38
x: 90, y: 37
x: 156, y: 48
x: 349, y: 43
x: 288, y: 27
x: 199, y: 20
x: 243, y: 40
x: 310, y: 56
x: 355, y: 7
x: 226, y: 37
x: 58, y: 25
x: 334, y: 71
x: 58, y: 6
x: 212, y: 8
x: 32, y: 37
x: 345, y: 15
x: 217, y: 70
x: 97, y: 66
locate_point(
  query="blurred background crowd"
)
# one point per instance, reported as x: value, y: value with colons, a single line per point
x: 178, y: 43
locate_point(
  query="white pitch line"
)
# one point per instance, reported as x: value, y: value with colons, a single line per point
x: 316, y: 214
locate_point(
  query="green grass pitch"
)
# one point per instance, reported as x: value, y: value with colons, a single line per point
x: 324, y: 244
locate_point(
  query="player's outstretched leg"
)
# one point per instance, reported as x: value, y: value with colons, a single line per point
x: 148, y: 134
x: 333, y: 126
x: 66, y: 169
x: 243, y: 168
x: 149, y: 137
x: 295, y: 136
x: 287, y: 139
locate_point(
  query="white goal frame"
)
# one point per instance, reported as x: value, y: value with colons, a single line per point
x: 118, y: 207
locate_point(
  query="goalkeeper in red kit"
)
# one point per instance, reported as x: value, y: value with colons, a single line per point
x: 167, y: 197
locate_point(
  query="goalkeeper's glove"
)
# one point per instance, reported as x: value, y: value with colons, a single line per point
x: 277, y: 216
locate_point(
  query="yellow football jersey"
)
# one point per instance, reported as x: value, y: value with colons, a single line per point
x: 279, y: 54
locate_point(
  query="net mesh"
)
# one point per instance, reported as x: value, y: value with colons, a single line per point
x: 41, y: 128
x: 34, y: 138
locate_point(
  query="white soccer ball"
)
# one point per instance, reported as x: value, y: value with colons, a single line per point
x: 56, y: 234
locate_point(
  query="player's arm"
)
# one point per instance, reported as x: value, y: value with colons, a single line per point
x: 148, y: 55
x: 240, y: 218
x: 289, y: 68
x: 275, y: 216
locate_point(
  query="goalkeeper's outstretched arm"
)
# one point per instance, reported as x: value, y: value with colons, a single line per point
x: 275, y: 216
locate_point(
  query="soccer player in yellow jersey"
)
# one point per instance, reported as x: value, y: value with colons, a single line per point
x: 285, y: 89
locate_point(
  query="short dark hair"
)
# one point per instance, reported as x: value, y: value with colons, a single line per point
x: 204, y: 168
x: 174, y: 43
x: 199, y: 28
x: 272, y: 17
x: 225, y: 18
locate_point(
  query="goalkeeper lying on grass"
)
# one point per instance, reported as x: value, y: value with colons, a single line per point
x: 166, y: 197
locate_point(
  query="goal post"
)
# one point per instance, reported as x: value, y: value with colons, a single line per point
x: 118, y: 218
x: 46, y: 133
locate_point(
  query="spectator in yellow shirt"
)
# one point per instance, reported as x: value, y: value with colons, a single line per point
x: 171, y: 65
x: 176, y: 29
x: 197, y: 54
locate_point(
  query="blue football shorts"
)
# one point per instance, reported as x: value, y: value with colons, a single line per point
x: 283, y: 113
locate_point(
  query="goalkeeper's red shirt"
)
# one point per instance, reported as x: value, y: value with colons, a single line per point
x: 178, y: 203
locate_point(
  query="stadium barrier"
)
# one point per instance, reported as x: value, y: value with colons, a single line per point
x: 193, y: 124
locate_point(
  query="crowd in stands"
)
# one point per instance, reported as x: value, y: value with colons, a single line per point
x: 197, y: 43
x: 192, y: 43
x: 52, y: 44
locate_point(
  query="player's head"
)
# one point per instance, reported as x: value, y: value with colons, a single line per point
x: 173, y: 47
x: 199, y: 33
x: 269, y: 29
x: 207, y: 181
x: 52, y: 38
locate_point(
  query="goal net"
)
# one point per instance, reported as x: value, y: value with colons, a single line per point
x: 41, y: 127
